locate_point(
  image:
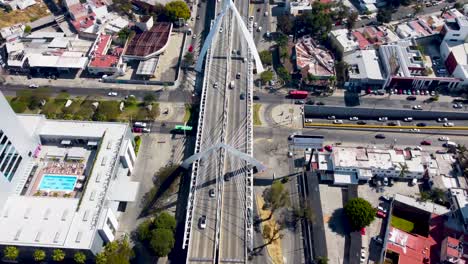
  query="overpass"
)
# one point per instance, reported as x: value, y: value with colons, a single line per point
x: 222, y: 162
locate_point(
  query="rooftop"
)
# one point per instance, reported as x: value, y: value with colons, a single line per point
x: 364, y: 64
x: 150, y: 43
x: 319, y: 61
x: 100, y: 56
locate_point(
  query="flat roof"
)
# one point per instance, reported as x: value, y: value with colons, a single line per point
x: 147, y: 67
x: 364, y: 64
x: 150, y: 42
x: 47, y: 61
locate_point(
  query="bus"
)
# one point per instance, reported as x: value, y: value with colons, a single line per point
x: 296, y: 94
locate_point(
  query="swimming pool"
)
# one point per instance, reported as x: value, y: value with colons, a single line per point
x: 58, y: 182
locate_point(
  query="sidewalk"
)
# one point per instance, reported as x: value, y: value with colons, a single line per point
x: 286, y: 115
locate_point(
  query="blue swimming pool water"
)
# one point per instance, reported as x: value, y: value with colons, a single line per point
x: 58, y: 182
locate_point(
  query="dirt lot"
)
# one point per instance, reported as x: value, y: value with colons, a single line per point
x: 29, y: 14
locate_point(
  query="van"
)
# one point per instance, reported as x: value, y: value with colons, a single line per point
x: 232, y: 85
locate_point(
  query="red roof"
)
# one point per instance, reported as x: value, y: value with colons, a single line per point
x: 151, y: 41
x: 451, y: 250
x: 362, y: 41
x: 100, y: 58
x: 84, y: 22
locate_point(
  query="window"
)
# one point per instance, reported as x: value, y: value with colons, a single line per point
x: 111, y: 227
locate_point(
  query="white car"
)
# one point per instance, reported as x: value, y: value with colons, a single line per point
x: 255, y: 24
x: 448, y: 124
x: 408, y: 119
x: 215, y: 85
x: 380, y: 208
x: 194, y: 36
x: 290, y: 154
x: 444, y: 139
x: 415, y: 130
x: 221, y: 30
x: 146, y: 130
x: 417, y: 107
x: 251, y: 18
x: 354, y: 118
x: 442, y: 120
x: 139, y: 124
x: 383, y: 119
x: 337, y: 121
x: 418, y: 148
x: 308, y: 120
x: 202, y: 222
x: 112, y: 94
x: 33, y: 85
x: 331, y: 118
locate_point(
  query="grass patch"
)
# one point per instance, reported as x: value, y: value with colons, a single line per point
x: 274, y: 249
x: 256, y: 115
x: 29, y: 14
x: 188, y: 112
x: 402, y: 224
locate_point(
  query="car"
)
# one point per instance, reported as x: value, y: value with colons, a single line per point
x: 413, y: 92
x: 381, y: 214
x: 383, y: 119
x: 413, y: 182
x: 328, y: 148
x: 320, y: 103
x: 139, y: 124
x: 385, y: 198
x: 363, y: 231
x: 361, y: 122
x: 137, y: 130
x: 265, y: 14
x: 417, y: 107
x: 202, y: 222
x: 33, y: 85
x: 198, y: 17
x: 251, y: 18
x: 259, y: 29
x: 380, y: 136
x: 194, y: 36
x: 308, y: 120
x: 211, y: 193
x: 449, y: 124
x: 378, y: 239
x: 444, y: 138
x: 255, y: 24
x: 411, y: 98
x: 380, y: 93
x: 258, y: 9
x: 290, y: 154
x: 457, y: 106
x: 421, y: 124
x: 418, y: 148
x: 256, y: 98
x: 339, y: 122
x: 221, y: 30
x: 408, y: 119
x: 433, y: 93
x: 242, y: 96
x: 146, y: 130
x: 291, y: 137
x: 244, y: 60
x: 112, y: 94
x: 417, y: 92
x: 354, y: 118
x: 408, y: 92
x: 238, y: 52
x: 442, y: 120
x: 385, y: 181
x: 415, y: 130
x: 331, y: 117
x: 215, y: 85
x: 238, y: 75
x: 310, y: 102
x: 380, y: 208
x: 426, y: 143
x: 299, y: 102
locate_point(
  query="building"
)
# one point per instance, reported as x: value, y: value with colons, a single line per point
x: 65, y: 183
x: 149, y: 44
x: 455, y: 57
x: 455, y: 29
x: 12, y: 33
x: 405, y: 68
x: 451, y: 251
x: 343, y: 40
x: 364, y: 70
x: 416, y: 28
x: 18, y: 4
x: 146, y: 23
x: 104, y: 59
x: 299, y: 7
x: 347, y: 165
x: 459, y: 206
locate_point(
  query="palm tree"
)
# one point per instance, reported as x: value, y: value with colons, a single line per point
x: 10, y: 253
x: 39, y: 255
x: 403, y: 169
x: 79, y: 257
x: 58, y: 255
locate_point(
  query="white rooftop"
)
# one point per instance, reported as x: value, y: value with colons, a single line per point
x: 364, y: 64
x: 461, y: 197
x: 425, y: 206
x: 345, y: 39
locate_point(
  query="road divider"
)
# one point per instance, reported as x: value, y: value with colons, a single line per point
x: 383, y: 126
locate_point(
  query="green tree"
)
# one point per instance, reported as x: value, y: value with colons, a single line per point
x: 79, y: 257
x: 272, y: 234
x: 458, y: 5
x: 58, y: 255
x: 165, y: 221
x: 276, y: 197
x: 144, y: 230
x: 124, y: 34
x: 283, y: 74
x: 318, y: 22
x: 177, y: 9
x: 418, y: 8
x: 162, y: 242
x: 352, y: 18
x: 266, y: 76
x: 281, y: 40
x: 403, y: 169
x: 10, y: 253
x: 109, y: 110
x: 304, y: 213
x: 359, y: 212
x: 384, y: 15
x: 131, y: 101
x: 27, y: 29
x: 18, y: 106
x: 39, y: 255
x: 149, y: 98
x: 116, y: 252
x: 266, y: 57
x: 285, y: 24
x: 189, y: 58
x: 322, y: 260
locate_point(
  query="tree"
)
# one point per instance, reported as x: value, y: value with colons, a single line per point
x: 10, y: 253
x: 458, y: 5
x: 276, y: 196
x: 352, y: 18
x: 384, y: 15
x: 144, y: 230
x: 360, y: 213
x: 162, y: 241
x: 149, y: 98
x: 403, y: 169
x: 318, y: 22
x: 304, y: 213
x: 165, y: 221
x: 107, y: 110
x: 124, y: 34
x: 58, y: 255
x: 418, y: 8
x: 79, y: 257
x: 322, y: 260
x: 283, y: 74
x: 285, y: 24
x: 177, y: 9
x: 266, y: 76
x: 281, y: 40
x: 189, y: 58
x: 266, y: 57
x: 39, y: 255
x: 116, y: 252
x: 27, y: 29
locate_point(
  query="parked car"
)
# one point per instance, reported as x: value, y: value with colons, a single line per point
x: 290, y: 154
x: 328, y: 148
x: 139, y: 124
x: 146, y: 130
x: 381, y: 214
x: 242, y: 96
x: 380, y: 208
x: 449, y: 124
x: 384, y: 198
x: 299, y: 102
x: 444, y: 138
x: 417, y: 107
x: 320, y: 103
x: 310, y: 102
x: 112, y: 94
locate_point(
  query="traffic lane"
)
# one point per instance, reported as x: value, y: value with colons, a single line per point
x: 391, y: 123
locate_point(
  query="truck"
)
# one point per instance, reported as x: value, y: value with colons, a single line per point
x: 296, y: 94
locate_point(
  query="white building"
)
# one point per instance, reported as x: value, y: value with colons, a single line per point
x: 455, y: 56
x: 299, y: 7
x: 64, y: 183
x: 364, y: 69
x: 459, y: 205
x: 348, y: 165
x: 343, y: 40
x: 455, y: 29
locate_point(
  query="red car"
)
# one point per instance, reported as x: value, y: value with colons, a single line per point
x: 137, y: 130
x: 426, y: 143
x: 328, y: 148
x: 363, y: 231
x: 381, y: 214
x: 190, y: 49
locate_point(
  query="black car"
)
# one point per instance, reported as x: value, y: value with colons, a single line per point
x: 381, y: 136
x: 256, y: 98
x: 392, y: 124
x: 411, y: 98
x: 310, y: 102
x: 361, y: 122
x: 421, y: 124
x: 242, y: 96
x: 320, y: 103
x: 299, y: 102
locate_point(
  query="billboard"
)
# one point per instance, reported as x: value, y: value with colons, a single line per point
x: 305, y: 141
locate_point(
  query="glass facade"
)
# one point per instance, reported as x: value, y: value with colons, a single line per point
x: 9, y: 157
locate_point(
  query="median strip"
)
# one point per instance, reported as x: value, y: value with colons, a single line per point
x: 383, y: 126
